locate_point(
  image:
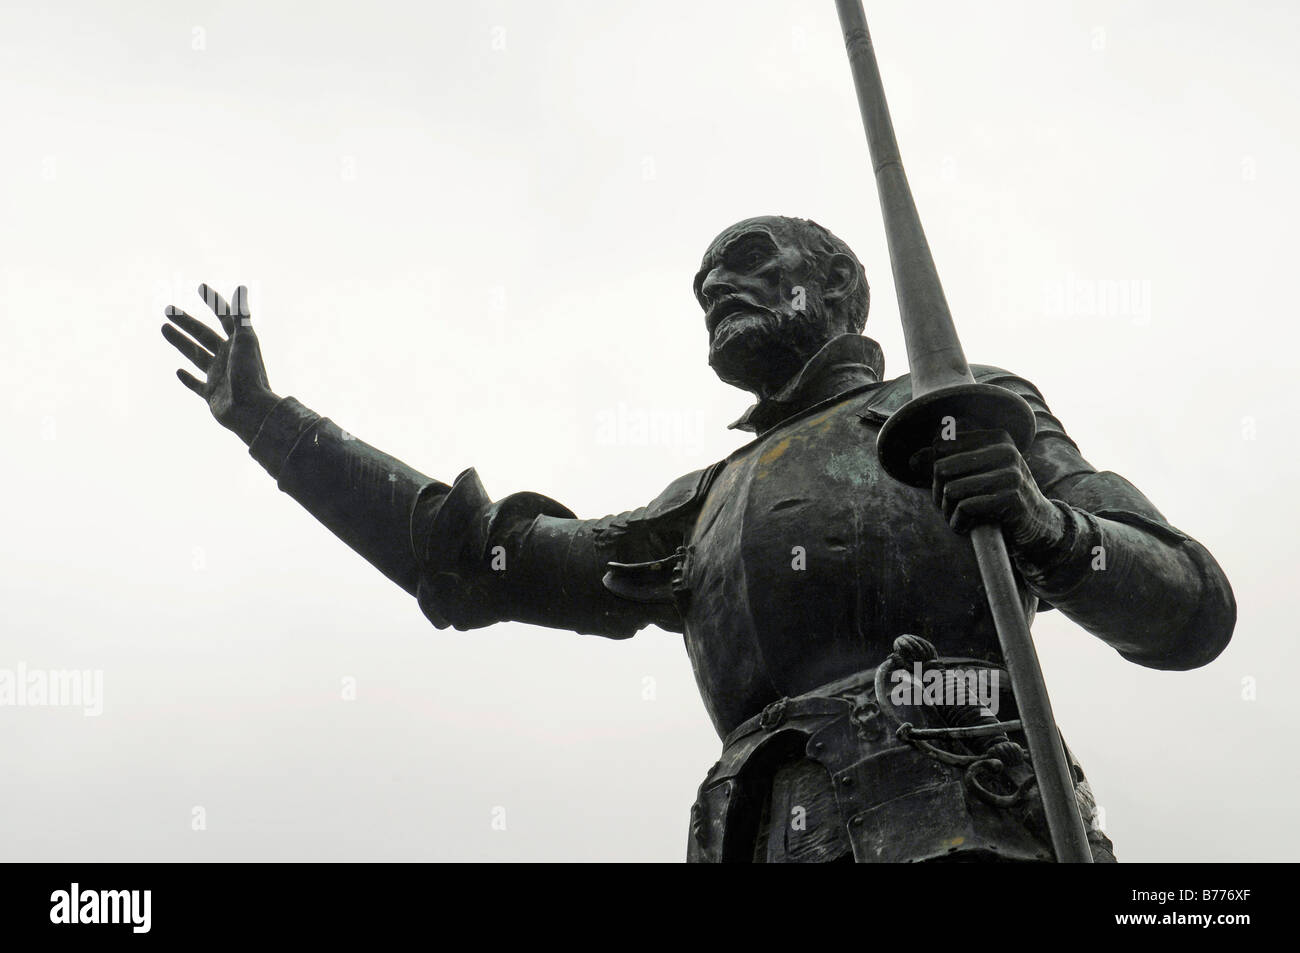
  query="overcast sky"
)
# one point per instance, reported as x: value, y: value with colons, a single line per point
x: 469, y: 231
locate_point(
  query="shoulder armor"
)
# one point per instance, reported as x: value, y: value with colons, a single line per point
x: 645, y: 547
x: 677, y: 503
x: 681, y: 493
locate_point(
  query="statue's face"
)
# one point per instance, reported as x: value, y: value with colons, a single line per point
x: 764, y: 306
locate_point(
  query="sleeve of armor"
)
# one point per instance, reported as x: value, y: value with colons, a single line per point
x: 469, y: 561
x: 1122, y: 572
x: 524, y: 558
x: 362, y: 495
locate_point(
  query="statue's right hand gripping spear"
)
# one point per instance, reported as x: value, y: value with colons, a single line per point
x: 944, y: 392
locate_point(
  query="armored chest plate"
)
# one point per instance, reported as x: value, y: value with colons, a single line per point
x: 807, y: 560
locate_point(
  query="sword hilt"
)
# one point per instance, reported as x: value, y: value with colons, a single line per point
x: 964, y: 408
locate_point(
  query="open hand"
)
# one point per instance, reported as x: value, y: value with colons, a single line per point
x: 235, y: 386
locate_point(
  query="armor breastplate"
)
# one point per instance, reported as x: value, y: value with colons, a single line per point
x: 806, y: 561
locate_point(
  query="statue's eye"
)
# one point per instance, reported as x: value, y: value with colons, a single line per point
x: 750, y: 257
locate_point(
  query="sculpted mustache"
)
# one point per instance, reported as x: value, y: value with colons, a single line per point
x: 744, y: 305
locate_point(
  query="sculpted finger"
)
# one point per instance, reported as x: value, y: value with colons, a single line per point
x: 970, y: 440
x: 979, y: 485
x: 980, y: 509
x: 195, y: 328
x: 219, y: 307
x: 975, y: 461
x: 190, y: 381
x: 201, y: 358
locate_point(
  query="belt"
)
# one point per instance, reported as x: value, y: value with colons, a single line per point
x: 820, y: 701
x: 823, y: 701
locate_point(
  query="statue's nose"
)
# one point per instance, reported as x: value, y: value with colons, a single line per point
x: 716, y: 284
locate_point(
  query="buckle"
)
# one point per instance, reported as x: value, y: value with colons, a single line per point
x: 773, y: 714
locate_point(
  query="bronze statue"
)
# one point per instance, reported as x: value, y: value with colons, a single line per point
x: 814, y: 582
x: 791, y: 567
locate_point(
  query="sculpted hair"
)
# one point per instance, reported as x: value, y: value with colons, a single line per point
x: 819, y: 243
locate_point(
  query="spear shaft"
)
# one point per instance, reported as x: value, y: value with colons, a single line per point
x: 944, y: 392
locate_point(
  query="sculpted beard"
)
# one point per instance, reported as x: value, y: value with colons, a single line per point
x: 759, y: 349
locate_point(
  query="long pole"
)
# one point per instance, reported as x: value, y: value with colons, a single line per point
x: 943, y: 386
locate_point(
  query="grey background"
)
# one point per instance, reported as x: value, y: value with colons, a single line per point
x: 469, y: 231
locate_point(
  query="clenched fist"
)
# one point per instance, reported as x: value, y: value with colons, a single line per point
x: 980, y: 477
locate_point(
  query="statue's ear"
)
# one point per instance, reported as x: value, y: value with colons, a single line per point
x: 841, y: 278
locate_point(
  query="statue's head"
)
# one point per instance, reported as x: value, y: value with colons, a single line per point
x: 774, y: 290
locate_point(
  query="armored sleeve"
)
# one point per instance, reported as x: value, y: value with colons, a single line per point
x: 1122, y: 572
x: 526, y: 558
x: 468, y: 560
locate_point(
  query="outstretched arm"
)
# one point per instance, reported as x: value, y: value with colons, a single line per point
x: 468, y: 560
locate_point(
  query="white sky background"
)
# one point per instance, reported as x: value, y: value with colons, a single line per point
x: 472, y: 256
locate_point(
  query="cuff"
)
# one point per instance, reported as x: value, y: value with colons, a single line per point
x: 1055, y: 573
x: 280, y: 432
